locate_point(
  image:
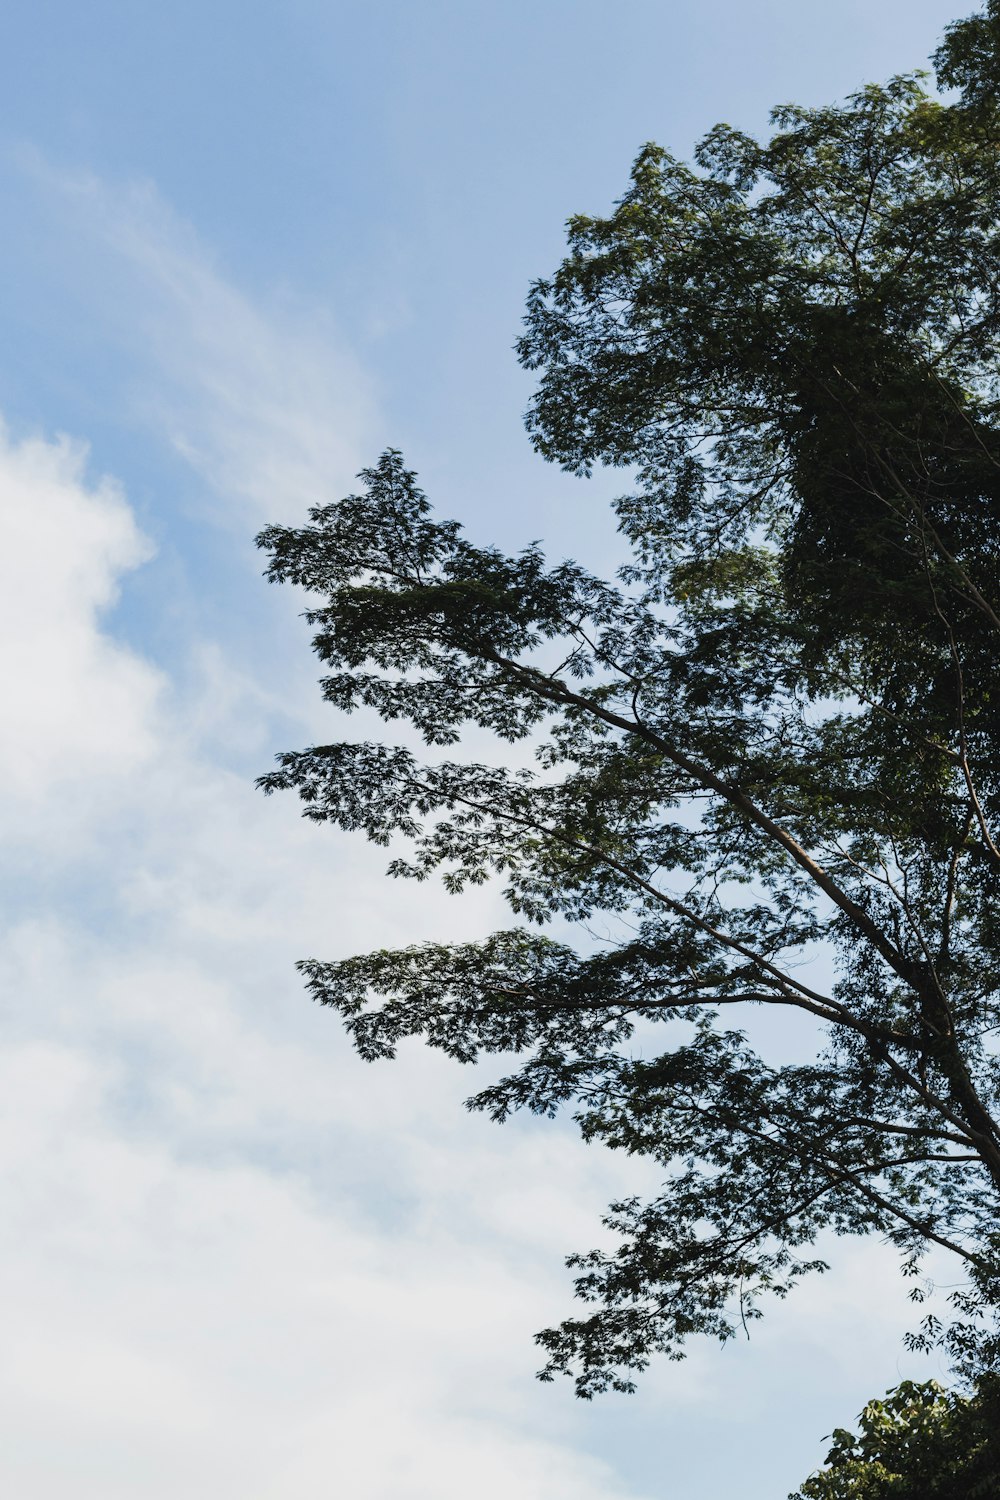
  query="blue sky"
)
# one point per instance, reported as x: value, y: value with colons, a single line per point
x: 246, y: 247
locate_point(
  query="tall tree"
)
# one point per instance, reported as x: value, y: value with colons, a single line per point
x: 774, y: 736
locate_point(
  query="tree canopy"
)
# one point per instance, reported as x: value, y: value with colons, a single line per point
x: 774, y: 737
x: 919, y: 1443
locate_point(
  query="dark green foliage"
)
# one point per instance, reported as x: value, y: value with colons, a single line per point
x: 919, y: 1443
x: 775, y: 735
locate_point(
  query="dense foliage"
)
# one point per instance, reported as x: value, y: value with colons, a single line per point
x: 919, y: 1443
x: 774, y: 736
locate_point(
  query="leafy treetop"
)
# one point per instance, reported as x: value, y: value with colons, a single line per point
x: 774, y: 735
x: 919, y: 1443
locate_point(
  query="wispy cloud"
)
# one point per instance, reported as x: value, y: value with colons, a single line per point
x: 262, y: 396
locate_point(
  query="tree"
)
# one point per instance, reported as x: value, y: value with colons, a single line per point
x: 920, y: 1443
x: 774, y: 738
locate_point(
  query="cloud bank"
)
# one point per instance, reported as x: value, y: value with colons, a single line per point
x: 75, y: 702
x: 229, y: 1268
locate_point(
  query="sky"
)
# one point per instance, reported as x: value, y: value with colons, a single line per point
x: 246, y: 247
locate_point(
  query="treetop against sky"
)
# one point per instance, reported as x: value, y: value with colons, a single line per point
x: 246, y: 253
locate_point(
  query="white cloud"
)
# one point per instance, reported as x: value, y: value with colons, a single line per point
x: 193, y: 1328
x: 235, y: 1261
x: 76, y: 703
